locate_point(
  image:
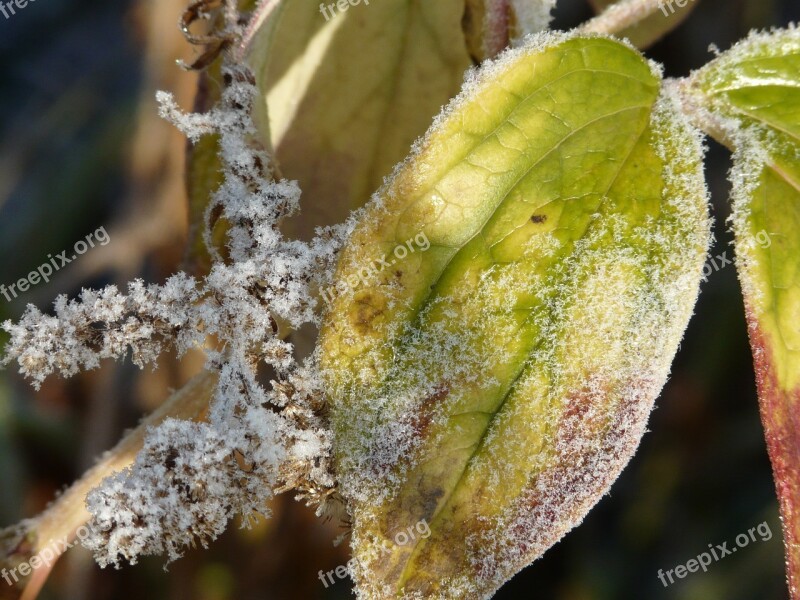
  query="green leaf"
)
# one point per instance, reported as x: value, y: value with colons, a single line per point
x: 490, y: 381
x: 346, y: 98
x: 656, y: 26
x: 749, y: 99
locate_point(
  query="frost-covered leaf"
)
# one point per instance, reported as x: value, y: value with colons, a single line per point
x: 506, y: 312
x: 490, y: 25
x: 347, y: 96
x: 656, y: 26
x: 752, y: 93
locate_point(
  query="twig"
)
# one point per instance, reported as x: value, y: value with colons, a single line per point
x: 67, y: 513
x: 621, y: 15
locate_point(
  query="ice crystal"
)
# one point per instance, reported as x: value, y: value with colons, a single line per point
x: 532, y: 17
x: 190, y: 479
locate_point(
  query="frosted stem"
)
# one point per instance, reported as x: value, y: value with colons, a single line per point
x: 62, y: 519
x: 700, y: 116
x: 621, y: 15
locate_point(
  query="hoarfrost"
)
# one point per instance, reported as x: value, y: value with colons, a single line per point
x: 757, y: 143
x: 642, y: 351
x: 604, y: 319
x: 532, y: 16
x: 190, y: 479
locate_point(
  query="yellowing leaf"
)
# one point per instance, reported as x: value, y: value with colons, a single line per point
x: 752, y: 98
x: 346, y: 97
x: 506, y: 312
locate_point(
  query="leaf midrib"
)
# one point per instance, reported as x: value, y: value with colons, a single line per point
x: 524, y: 366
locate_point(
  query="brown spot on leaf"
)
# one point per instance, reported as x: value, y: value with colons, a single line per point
x: 367, y: 307
x: 422, y: 419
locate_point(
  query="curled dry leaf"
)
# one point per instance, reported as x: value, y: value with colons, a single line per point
x: 749, y: 98
x: 344, y: 98
x: 506, y: 313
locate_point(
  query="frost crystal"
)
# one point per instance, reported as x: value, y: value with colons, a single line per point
x: 532, y: 16
x: 190, y: 479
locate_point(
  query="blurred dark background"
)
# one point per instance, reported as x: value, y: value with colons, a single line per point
x: 81, y: 147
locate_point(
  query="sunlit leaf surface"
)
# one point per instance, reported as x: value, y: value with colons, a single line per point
x: 506, y: 313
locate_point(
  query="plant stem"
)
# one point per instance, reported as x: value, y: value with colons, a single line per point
x: 620, y: 16
x: 702, y: 118
x: 62, y: 519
